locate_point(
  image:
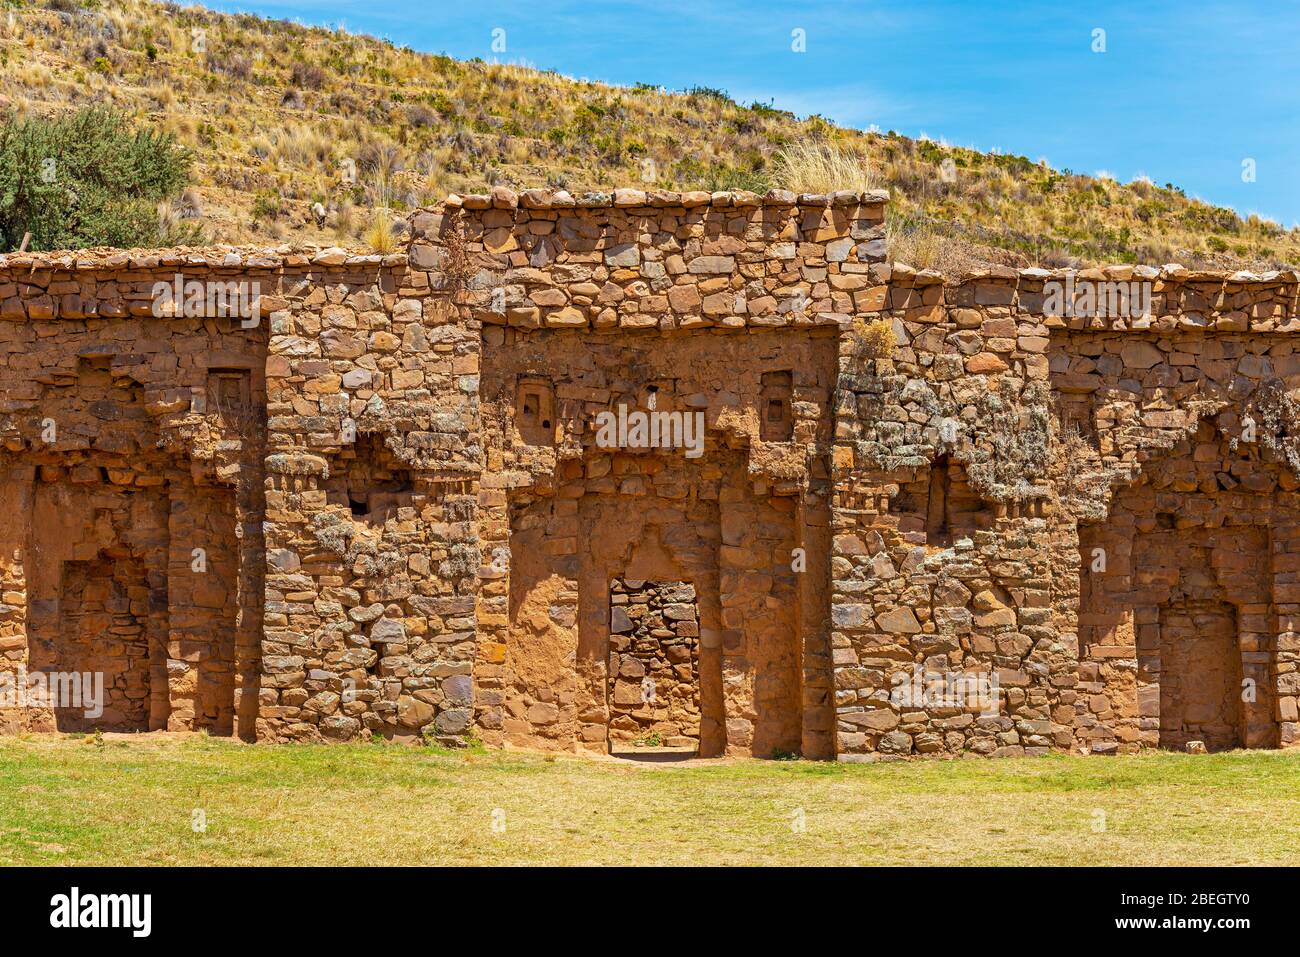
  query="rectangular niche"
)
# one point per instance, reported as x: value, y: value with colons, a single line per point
x: 535, y: 411
x: 229, y: 393
x: 1077, y: 417
x: 776, y: 416
x: 939, y: 506
x: 370, y: 480
x: 654, y: 674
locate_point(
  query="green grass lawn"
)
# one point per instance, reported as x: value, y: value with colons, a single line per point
x: 128, y: 800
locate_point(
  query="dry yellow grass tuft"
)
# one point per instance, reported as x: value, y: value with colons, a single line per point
x: 379, y: 234
x: 813, y: 167
x: 874, y: 339
x: 913, y: 243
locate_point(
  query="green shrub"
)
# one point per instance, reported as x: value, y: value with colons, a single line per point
x: 88, y: 179
x: 710, y: 93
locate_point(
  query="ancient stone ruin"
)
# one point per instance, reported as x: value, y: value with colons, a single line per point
x: 486, y: 488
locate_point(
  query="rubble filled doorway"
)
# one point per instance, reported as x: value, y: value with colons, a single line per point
x: 654, y: 675
x: 103, y: 608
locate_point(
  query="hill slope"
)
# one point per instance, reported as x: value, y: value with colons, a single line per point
x: 282, y: 117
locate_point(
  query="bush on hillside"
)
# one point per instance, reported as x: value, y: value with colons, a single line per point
x: 89, y: 179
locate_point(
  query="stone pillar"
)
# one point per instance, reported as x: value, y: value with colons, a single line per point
x: 1285, y: 677
x: 1257, y: 640
x: 812, y: 522
x: 15, y: 502
x: 492, y: 606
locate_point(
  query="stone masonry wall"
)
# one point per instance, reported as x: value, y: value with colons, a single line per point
x: 1049, y: 416
x: 725, y: 306
x: 370, y: 498
x: 386, y: 507
x: 134, y: 535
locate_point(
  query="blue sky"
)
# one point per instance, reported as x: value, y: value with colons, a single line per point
x: 1184, y: 92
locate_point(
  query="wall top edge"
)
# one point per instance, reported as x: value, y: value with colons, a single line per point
x: 230, y: 258
x: 502, y: 197
x: 1170, y: 273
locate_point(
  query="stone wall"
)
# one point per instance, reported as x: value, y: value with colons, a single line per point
x: 134, y: 543
x: 727, y: 307
x: 389, y: 504
x: 370, y: 544
x: 1073, y: 435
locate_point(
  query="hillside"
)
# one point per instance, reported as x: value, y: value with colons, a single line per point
x: 281, y: 117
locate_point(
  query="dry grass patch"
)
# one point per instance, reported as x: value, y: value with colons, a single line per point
x: 812, y: 167
x: 131, y: 801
